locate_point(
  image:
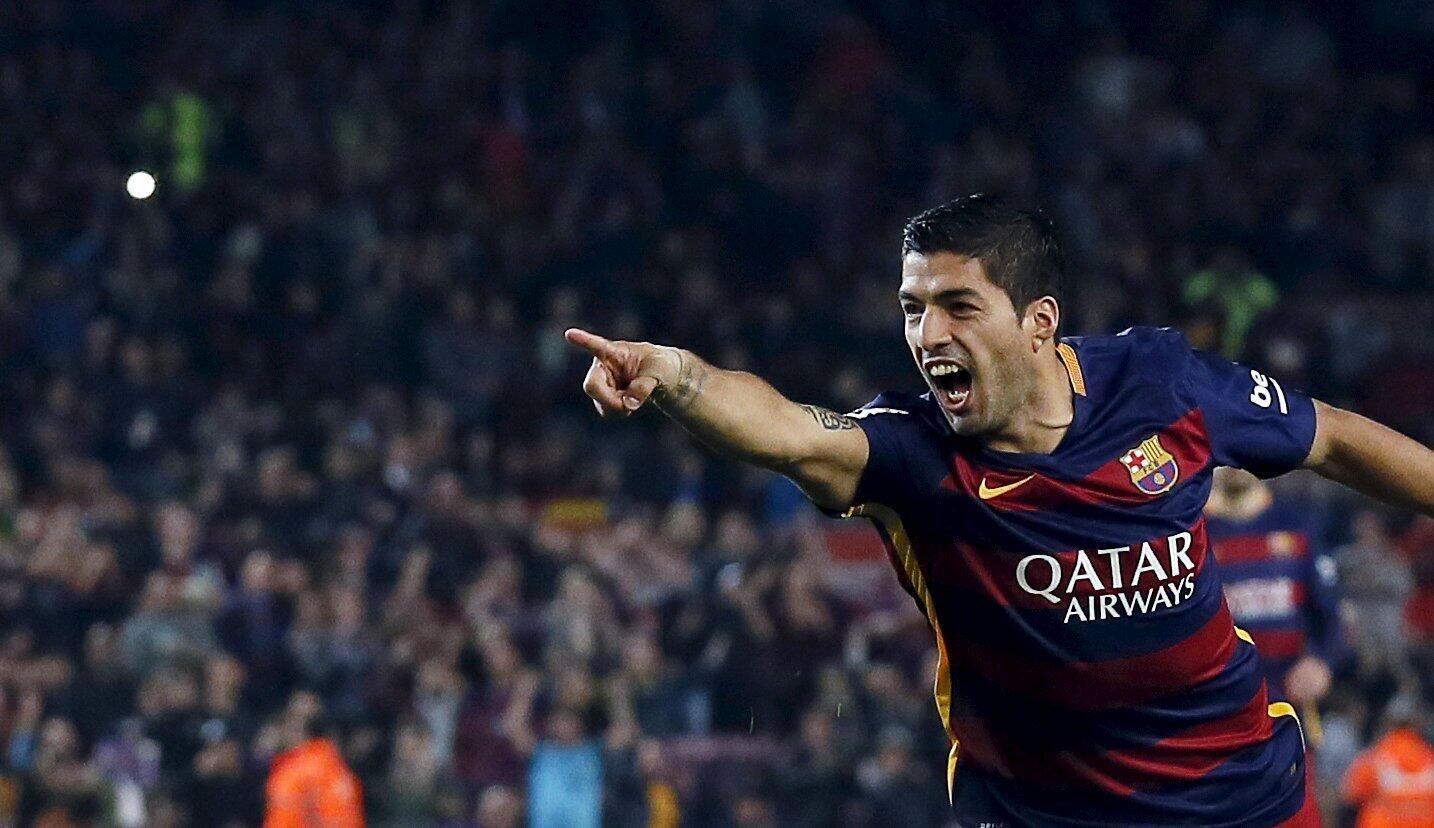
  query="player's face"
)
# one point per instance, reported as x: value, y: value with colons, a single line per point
x: 968, y: 341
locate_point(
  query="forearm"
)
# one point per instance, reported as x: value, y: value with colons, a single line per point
x: 741, y: 415
x: 732, y: 411
x: 1373, y: 459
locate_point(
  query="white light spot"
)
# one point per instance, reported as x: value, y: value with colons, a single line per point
x: 140, y: 184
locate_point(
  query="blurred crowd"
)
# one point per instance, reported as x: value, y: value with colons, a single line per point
x: 295, y: 448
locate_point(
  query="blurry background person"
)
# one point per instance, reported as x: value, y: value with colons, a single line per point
x: 499, y: 806
x: 1377, y: 585
x: 309, y: 785
x: 1280, y: 583
x: 1392, y: 783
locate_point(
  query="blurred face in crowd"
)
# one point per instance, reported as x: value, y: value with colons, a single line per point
x: 58, y: 739
x: 816, y: 731
x: 894, y: 758
x: 275, y: 466
x: 411, y: 744
x: 178, y: 533
x: 641, y: 658
x: 752, y: 812
x: 258, y: 572
x: 1234, y: 483
x: 159, y: 594
x: 499, y: 807
x: 223, y: 680
x: 136, y: 362
x: 501, y: 659
x: 101, y: 649
x: 297, y: 718
x: 649, y: 757
x: 348, y: 612
x: 975, y: 350
x: 565, y: 726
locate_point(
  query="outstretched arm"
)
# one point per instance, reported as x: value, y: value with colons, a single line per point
x: 734, y: 412
x: 1371, y: 458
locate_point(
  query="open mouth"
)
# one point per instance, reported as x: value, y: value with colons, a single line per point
x: 952, y: 384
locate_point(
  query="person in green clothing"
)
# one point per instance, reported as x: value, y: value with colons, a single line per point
x: 1238, y: 292
x: 181, y: 124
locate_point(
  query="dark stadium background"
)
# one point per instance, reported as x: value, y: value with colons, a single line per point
x: 303, y: 421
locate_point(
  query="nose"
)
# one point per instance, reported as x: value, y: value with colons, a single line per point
x: 935, y: 329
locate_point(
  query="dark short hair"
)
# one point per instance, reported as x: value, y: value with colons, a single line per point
x: 1018, y: 248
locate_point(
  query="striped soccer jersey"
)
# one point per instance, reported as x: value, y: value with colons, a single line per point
x: 1089, y: 670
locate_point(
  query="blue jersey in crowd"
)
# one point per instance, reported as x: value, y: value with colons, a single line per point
x: 1280, y: 584
x: 1089, y: 670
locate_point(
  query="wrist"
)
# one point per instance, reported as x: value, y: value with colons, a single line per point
x: 679, y: 377
x: 668, y: 364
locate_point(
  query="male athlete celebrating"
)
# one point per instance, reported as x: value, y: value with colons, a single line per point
x: 1042, y: 503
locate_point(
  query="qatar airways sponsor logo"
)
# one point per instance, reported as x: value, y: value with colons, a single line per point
x: 1118, y: 582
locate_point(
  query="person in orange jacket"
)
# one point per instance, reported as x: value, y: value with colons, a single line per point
x: 309, y: 784
x: 1392, y: 782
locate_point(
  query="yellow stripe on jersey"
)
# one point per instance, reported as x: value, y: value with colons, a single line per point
x: 1072, y: 363
x: 891, y: 522
x: 1278, y: 709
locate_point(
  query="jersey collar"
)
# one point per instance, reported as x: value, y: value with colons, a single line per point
x: 1045, y: 463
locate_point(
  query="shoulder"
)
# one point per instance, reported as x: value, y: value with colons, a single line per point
x: 1153, y: 350
x: 888, y: 402
x: 899, y: 409
x: 1135, y: 358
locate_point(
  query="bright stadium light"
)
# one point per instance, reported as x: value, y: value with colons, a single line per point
x: 139, y: 185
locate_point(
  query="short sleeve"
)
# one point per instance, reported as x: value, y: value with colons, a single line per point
x: 1255, y: 422
x: 887, y: 424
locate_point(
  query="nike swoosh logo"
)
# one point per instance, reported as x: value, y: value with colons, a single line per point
x: 987, y: 493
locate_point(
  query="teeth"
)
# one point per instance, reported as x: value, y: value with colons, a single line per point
x: 944, y: 369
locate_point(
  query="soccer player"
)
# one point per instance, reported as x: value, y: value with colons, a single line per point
x: 1042, y: 504
x: 1279, y: 583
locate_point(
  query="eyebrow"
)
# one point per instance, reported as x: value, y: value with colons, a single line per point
x: 944, y: 297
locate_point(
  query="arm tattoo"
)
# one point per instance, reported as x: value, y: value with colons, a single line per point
x: 828, y: 419
x: 691, y: 375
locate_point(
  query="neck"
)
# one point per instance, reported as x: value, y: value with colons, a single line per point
x: 1043, y: 417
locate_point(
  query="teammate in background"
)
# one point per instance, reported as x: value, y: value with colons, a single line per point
x: 1042, y: 504
x: 1279, y: 583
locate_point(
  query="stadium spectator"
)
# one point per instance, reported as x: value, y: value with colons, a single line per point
x: 1377, y: 583
x: 309, y: 784
x: 1392, y: 783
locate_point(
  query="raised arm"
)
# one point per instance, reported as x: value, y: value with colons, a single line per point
x: 734, y: 412
x: 1371, y: 458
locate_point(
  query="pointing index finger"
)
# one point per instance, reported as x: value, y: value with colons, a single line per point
x: 591, y: 342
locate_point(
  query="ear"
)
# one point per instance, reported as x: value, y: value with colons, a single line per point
x: 1042, y: 318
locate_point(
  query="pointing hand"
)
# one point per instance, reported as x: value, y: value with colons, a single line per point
x: 623, y: 375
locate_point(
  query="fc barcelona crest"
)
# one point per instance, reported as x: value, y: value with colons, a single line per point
x: 1152, y: 468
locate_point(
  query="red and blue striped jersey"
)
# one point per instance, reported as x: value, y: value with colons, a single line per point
x: 1279, y: 583
x: 1089, y: 670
